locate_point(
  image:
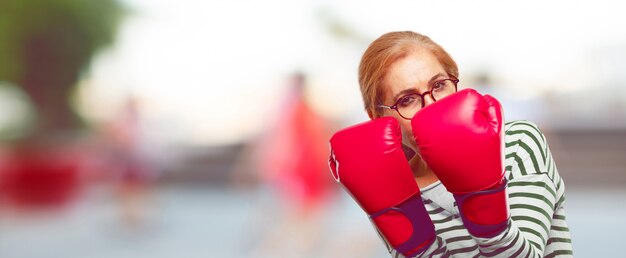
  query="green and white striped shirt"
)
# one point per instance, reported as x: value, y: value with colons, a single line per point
x: 537, y: 225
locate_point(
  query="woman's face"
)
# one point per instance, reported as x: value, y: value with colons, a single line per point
x: 410, y: 74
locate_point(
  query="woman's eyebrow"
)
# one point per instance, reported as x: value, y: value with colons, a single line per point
x: 402, y: 93
x: 435, y: 77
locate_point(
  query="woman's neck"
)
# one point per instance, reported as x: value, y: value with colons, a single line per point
x: 424, y: 176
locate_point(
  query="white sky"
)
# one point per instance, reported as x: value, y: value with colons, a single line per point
x: 211, y: 72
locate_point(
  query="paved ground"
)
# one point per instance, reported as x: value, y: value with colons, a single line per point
x: 196, y: 222
x: 205, y: 220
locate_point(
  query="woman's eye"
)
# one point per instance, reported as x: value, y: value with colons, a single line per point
x: 439, y: 85
x: 406, y: 101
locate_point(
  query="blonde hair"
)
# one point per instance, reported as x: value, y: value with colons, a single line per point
x: 383, y: 52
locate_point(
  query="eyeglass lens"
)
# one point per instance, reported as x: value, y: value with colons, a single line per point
x: 410, y: 104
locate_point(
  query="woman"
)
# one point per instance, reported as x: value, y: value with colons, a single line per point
x: 482, y: 187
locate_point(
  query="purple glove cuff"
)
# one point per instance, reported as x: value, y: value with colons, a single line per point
x: 480, y: 230
x: 423, y: 227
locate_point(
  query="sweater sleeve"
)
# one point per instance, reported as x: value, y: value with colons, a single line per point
x: 537, y: 226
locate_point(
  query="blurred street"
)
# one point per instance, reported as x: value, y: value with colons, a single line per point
x: 202, y: 216
x: 186, y: 222
x: 195, y: 222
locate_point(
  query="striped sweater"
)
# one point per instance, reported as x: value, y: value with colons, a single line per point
x: 537, y: 227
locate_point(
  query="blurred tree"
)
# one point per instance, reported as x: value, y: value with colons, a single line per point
x: 45, y: 45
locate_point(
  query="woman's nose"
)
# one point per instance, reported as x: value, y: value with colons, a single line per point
x: 428, y: 99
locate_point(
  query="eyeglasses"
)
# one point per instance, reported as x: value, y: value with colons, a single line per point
x: 409, y: 104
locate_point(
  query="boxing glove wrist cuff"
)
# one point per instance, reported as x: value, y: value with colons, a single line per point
x: 485, y: 231
x: 423, y: 228
x: 488, y: 213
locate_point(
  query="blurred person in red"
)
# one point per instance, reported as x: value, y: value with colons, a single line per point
x: 293, y: 160
x: 290, y: 160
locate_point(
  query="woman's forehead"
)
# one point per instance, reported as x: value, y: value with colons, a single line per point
x: 413, y: 71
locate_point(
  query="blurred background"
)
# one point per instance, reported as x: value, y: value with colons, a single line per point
x: 150, y: 128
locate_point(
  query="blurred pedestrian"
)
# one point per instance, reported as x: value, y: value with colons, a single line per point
x: 133, y: 173
x: 290, y: 160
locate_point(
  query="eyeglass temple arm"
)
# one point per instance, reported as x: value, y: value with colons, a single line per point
x: 387, y: 107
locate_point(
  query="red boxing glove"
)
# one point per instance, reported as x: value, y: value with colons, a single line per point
x: 461, y: 138
x: 367, y: 159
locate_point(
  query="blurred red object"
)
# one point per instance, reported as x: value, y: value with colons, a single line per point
x: 41, y: 177
x: 294, y: 153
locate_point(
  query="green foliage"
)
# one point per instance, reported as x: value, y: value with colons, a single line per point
x: 44, y: 47
x: 76, y: 29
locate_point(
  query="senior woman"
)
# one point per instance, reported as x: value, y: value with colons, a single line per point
x: 437, y: 170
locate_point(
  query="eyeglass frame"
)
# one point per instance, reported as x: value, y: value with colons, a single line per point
x: 430, y: 92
